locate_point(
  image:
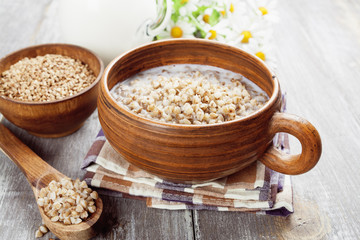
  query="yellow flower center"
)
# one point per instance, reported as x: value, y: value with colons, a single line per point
x: 213, y: 34
x: 263, y: 10
x: 223, y: 12
x: 247, y: 35
x: 206, y: 18
x: 176, y: 32
x: 260, y: 55
x: 184, y: 1
x: 231, y: 8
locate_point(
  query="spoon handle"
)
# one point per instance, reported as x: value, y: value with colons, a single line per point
x: 36, y: 170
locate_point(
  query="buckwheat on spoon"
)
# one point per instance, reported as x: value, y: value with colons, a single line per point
x: 69, y: 208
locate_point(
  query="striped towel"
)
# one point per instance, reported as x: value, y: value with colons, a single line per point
x: 255, y: 189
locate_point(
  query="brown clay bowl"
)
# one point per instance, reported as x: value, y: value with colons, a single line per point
x: 54, y: 118
x: 193, y: 153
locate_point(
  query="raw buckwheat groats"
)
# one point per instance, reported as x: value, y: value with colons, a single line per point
x: 67, y: 201
x: 190, y: 94
x: 41, y: 231
x: 45, y: 78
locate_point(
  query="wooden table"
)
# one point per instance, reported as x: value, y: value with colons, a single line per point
x: 317, y: 45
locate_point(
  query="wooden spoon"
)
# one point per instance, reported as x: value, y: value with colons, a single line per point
x: 39, y: 174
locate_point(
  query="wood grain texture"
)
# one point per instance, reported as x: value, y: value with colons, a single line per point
x: 183, y: 153
x: 316, y: 45
x: 39, y: 174
x: 195, y: 154
x: 25, y: 23
x: 308, y: 137
x: 53, y: 118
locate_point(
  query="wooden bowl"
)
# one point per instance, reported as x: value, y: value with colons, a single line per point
x: 54, y: 118
x: 199, y: 153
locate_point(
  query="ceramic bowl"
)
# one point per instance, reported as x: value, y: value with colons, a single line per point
x: 200, y: 153
x: 54, y: 118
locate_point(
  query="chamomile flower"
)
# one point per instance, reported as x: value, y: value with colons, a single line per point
x: 189, y: 6
x: 236, y: 7
x: 181, y: 29
x: 246, y: 24
x: 204, y: 18
x: 265, y: 9
x: 263, y: 52
x: 218, y: 32
x: 246, y: 31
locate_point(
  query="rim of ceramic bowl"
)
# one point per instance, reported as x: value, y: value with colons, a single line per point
x: 97, y: 80
x: 268, y: 104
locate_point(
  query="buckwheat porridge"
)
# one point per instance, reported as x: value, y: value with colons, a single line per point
x: 189, y: 94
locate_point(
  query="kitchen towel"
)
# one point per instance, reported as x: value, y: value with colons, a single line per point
x: 255, y: 189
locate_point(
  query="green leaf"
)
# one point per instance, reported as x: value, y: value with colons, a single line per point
x: 175, y: 17
x: 199, y: 11
x: 176, y: 10
x: 158, y: 38
x: 177, y: 5
x: 199, y: 33
x: 214, y: 18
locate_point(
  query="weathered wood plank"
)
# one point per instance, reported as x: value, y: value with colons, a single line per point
x: 19, y: 23
x: 25, y: 23
x: 317, y: 47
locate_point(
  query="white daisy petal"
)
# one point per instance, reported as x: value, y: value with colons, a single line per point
x: 246, y: 24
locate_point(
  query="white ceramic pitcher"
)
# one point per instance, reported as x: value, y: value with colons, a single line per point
x: 111, y: 27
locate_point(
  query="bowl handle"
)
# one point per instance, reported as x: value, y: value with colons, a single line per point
x: 310, y: 141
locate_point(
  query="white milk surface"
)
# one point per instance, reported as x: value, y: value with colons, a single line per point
x: 189, y: 94
x: 214, y: 75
